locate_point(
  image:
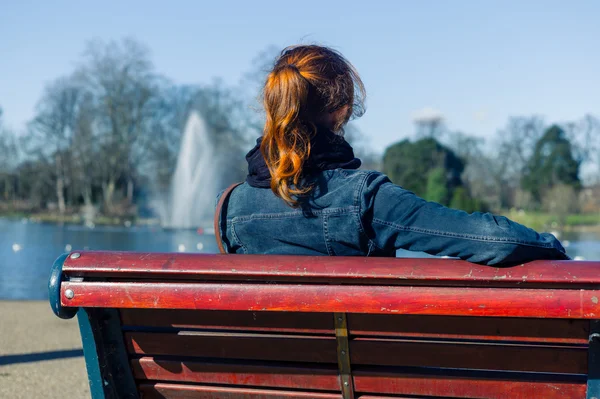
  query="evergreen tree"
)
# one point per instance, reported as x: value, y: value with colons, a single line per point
x: 424, y: 167
x: 551, y: 163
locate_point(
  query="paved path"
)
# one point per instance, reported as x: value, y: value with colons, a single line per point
x: 40, y: 354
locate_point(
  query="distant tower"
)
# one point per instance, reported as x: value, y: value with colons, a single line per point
x: 429, y: 123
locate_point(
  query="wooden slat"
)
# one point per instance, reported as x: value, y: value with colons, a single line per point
x: 443, y: 354
x: 457, y: 327
x: 388, y: 397
x: 305, y: 378
x: 464, y: 387
x: 311, y: 323
x: 391, y: 397
x: 235, y: 346
x: 180, y: 391
x: 451, y: 301
x: 313, y: 268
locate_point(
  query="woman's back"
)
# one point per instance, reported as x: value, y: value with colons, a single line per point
x: 362, y: 213
x: 328, y: 223
x: 304, y: 194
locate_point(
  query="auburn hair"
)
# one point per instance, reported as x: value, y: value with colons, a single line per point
x: 306, y: 83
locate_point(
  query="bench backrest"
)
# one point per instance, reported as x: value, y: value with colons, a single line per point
x: 214, y: 326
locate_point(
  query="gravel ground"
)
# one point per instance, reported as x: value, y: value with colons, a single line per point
x: 40, y: 354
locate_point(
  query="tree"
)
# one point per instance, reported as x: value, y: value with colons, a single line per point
x: 552, y: 163
x: 516, y: 143
x: 121, y: 78
x: 461, y: 199
x: 250, y: 89
x: 370, y: 160
x: 170, y: 111
x: 502, y: 170
x: 584, y: 136
x: 437, y: 189
x: 34, y: 182
x: 8, y: 160
x: 561, y: 200
x: 478, y: 176
x: 409, y: 164
x: 50, y: 133
x: 84, y: 151
x: 225, y: 116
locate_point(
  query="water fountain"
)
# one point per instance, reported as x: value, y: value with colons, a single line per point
x: 196, y: 179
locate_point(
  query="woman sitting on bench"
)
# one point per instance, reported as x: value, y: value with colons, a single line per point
x: 304, y: 194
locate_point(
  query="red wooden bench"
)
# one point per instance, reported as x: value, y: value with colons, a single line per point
x: 267, y: 327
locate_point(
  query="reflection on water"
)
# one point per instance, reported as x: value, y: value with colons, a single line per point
x: 27, y: 250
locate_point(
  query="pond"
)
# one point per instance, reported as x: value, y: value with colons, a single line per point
x: 28, y: 249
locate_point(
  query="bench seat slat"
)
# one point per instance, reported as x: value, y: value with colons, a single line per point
x: 183, y: 391
x: 463, y: 387
x: 316, y: 378
x: 458, y: 327
x: 547, y: 359
x: 452, y: 301
x: 235, y: 346
x: 309, y: 323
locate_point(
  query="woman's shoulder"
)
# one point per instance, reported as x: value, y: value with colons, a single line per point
x: 354, y: 173
x: 359, y: 181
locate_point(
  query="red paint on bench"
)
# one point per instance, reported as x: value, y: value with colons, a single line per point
x: 454, y: 301
x: 277, y: 376
x: 558, y: 331
x: 318, y: 268
x: 463, y: 387
x: 183, y: 391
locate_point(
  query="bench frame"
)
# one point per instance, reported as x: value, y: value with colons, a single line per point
x: 551, y: 289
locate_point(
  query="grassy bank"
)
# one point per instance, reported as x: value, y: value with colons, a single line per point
x: 100, y: 220
x: 547, y: 221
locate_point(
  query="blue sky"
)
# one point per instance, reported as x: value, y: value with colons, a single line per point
x: 476, y: 62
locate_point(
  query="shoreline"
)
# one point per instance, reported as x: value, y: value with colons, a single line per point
x: 583, y: 228
x: 78, y: 220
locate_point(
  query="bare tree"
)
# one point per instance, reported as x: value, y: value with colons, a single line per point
x: 170, y: 111
x: 584, y: 136
x: 227, y: 120
x: 84, y: 151
x: 121, y: 78
x: 250, y: 90
x: 561, y: 200
x: 50, y: 133
x: 370, y: 160
x: 513, y: 149
x: 8, y: 160
x: 478, y: 174
x: 516, y: 143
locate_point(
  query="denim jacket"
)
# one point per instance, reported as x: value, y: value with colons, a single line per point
x: 362, y: 213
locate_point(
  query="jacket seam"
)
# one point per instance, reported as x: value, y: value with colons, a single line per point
x: 359, y: 193
x: 237, y: 239
x: 326, y: 236
x: 456, y: 235
x: 339, y: 210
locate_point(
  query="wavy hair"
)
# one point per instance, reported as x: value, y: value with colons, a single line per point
x: 306, y: 83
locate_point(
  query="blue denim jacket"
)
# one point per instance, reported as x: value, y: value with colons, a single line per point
x: 356, y: 212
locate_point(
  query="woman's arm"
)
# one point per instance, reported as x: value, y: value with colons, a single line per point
x: 395, y: 218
